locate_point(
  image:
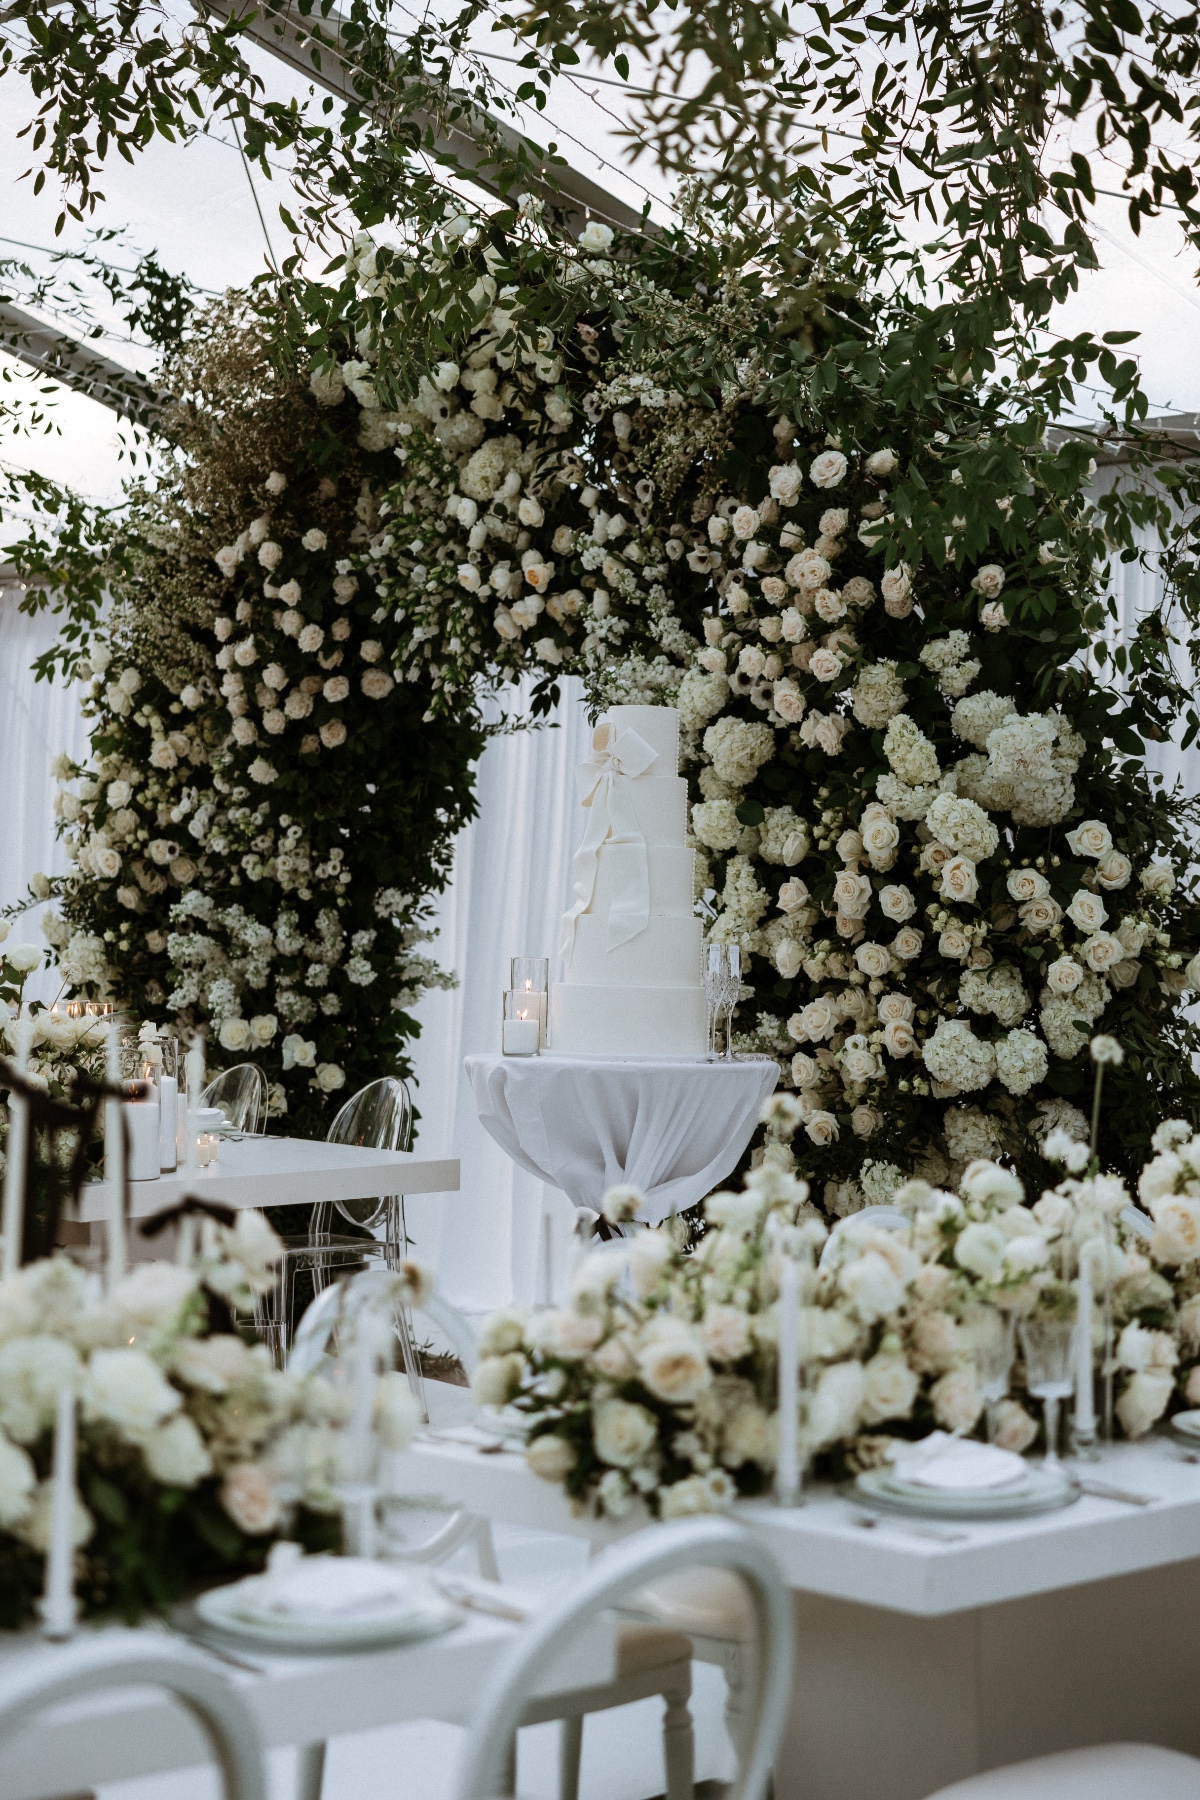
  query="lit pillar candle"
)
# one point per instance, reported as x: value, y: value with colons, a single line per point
x: 114, y: 1159
x: 14, y: 1167
x: 58, y: 1598
x: 787, y: 1462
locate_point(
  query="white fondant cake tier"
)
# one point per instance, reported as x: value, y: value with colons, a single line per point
x: 608, y: 1021
x: 666, y: 954
x: 672, y: 874
x: 657, y: 726
x: 642, y: 997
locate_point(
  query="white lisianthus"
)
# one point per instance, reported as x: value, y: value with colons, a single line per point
x: 596, y: 239
x: 872, y: 1287
x: 213, y: 1364
x: 784, y: 482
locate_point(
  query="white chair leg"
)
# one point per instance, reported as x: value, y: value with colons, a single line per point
x: 679, y: 1750
x: 570, y: 1757
x: 310, y: 1771
x: 485, y: 1550
x: 734, y: 1662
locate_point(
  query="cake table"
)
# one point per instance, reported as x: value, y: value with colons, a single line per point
x: 673, y: 1127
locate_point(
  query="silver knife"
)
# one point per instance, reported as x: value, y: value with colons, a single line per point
x: 1100, y: 1490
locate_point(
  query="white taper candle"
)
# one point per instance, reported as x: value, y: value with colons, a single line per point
x: 114, y: 1159
x: 1085, y: 1393
x: 14, y: 1166
x: 58, y: 1598
x: 787, y: 1462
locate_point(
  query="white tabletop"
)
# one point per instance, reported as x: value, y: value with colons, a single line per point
x: 822, y: 1550
x: 294, y: 1699
x: 280, y: 1171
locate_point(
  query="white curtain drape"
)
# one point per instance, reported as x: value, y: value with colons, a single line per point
x: 38, y: 720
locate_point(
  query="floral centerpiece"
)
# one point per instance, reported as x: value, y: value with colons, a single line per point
x: 658, y: 1378
x: 194, y: 1451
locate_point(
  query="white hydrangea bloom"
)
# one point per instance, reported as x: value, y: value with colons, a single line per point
x: 998, y: 991
x: 958, y: 1059
x: 963, y: 827
x: 877, y: 696
x: 909, y: 752
x: 738, y: 749
x: 1021, y: 1061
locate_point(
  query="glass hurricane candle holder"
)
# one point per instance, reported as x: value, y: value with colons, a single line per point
x: 529, y: 976
x: 521, y: 1028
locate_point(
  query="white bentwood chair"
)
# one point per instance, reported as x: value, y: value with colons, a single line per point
x: 1101, y: 1772
x: 613, y: 1581
x: 32, y: 1685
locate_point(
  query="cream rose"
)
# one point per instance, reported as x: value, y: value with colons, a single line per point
x: 822, y: 1128
x: 1113, y: 870
x: 954, y: 944
x: 1102, y: 952
x: 957, y: 1402
x: 898, y: 1038
x: 873, y: 959
x: 1090, y: 839
x: 623, y: 1432
x: 826, y: 665
x: 1041, y: 915
x: 250, y: 1500
x: 1087, y: 910
x: 726, y: 1333
x: 1176, y: 1230
x: 907, y: 943
x: 852, y: 894
x: 1027, y: 884
x: 959, y: 880
x: 1063, y: 976
x: 1143, y: 1402
x: 672, y: 1363
x: 828, y: 470
x: 889, y: 1389
x: 124, y: 1388
x: 176, y: 1454
x: 896, y: 902
x: 550, y: 1457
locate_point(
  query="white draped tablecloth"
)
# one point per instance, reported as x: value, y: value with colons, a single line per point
x: 673, y: 1128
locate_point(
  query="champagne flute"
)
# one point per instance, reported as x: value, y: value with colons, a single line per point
x: 733, y: 988
x: 715, y: 977
x: 1048, y: 1345
x: 990, y: 1334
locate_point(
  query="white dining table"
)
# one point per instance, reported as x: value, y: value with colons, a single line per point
x: 283, y: 1171
x: 929, y: 1650
x: 295, y: 1700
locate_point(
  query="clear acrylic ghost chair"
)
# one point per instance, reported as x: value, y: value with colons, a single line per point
x: 241, y: 1094
x: 377, y: 1117
x: 32, y: 1684
x: 487, y: 1769
x: 1101, y: 1772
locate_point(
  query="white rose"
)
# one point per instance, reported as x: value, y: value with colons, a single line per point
x: 784, y: 482
x: 213, y: 1364
x: 1027, y: 884
x: 882, y: 462
x: 836, y: 1405
x: 828, y: 469
x: 989, y: 581
x: 1113, y: 870
x: 1090, y: 839
x: 980, y: 1250
x: 497, y: 1378
x: 176, y: 1454
x: 1087, y: 910
x: 234, y: 1034
x: 298, y: 1052
x: 880, y: 836
x: 1041, y: 915
x: 826, y: 665
x: 125, y: 1388
x: 873, y: 959
x: 550, y: 1457
x: 596, y: 239
x: 1158, y: 879
x: 250, y: 1500
x: 330, y: 1077
x: 623, y: 1432
x: 957, y: 1402
x: 1103, y: 951
x: 1063, y: 976
x: 889, y: 1389
x: 726, y: 1333
x: 1143, y: 1402
x: 32, y: 1370
x: 959, y: 880
x: 897, y: 902
x: 153, y: 1293
x: 793, y: 895
x: 872, y: 1287
x: 822, y: 1128
x: 672, y: 1363
x: 1176, y: 1230
x: 18, y: 1484
x: 852, y: 894
x: 907, y: 943
x: 898, y: 1039
x: 1012, y: 1427
x: 263, y: 1027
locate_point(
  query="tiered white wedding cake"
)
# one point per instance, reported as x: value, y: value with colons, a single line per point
x: 633, y: 944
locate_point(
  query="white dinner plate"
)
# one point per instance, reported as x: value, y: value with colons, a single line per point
x: 1044, y: 1491
x: 425, y: 1614
x: 1186, y: 1423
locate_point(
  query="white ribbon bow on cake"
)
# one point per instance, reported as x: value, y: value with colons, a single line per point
x: 604, y: 789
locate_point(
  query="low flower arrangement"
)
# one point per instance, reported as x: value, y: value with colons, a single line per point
x: 658, y: 1379
x: 194, y: 1451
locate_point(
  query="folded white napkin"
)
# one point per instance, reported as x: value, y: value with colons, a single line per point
x: 957, y: 1465
x: 329, y: 1588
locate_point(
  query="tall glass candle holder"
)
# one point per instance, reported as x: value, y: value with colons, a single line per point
x: 529, y: 976
x: 521, y: 1029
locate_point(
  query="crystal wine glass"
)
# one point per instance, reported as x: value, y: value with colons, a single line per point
x: 989, y: 1332
x: 1048, y: 1345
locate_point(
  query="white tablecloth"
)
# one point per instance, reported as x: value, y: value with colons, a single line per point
x: 674, y: 1129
